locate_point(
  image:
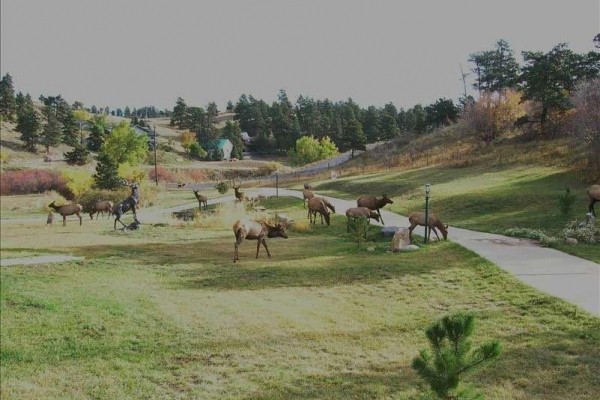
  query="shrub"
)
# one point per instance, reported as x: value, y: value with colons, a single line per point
x: 222, y: 187
x: 34, y: 181
x: 534, y: 234
x: 267, y: 169
x: 358, y: 229
x: 565, y: 202
x: 308, y: 150
x: 452, y: 356
x: 78, y: 181
x: 583, y: 232
x: 196, y: 151
x: 163, y: 173
x: 88, y: 198
x: 78, y: 156
x: 300, y: 226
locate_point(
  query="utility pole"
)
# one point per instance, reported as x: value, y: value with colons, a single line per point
x: 462, y: 73
x: 155, y: 163
x: 427, y: 191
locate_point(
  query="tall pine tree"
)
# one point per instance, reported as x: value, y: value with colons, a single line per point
x: 28, y: 123
x: 51, y: 134
x: 7, y: 98
x: 106, y: 176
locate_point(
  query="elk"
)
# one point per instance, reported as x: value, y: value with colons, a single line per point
x: 129, y: 203
x: 593, y: 193
x: 373, y: 203
x: 358, y: 212
x: 256, y: 230
x: 307, y: 195
x: 101, y: 206
x: 308, y: 186
x: 66, y: 210
x: 240, y: 195
x: 316, y: 205
x: 201, y: 200
x: 418, y: 218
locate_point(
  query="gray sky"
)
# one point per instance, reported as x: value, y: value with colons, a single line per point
x: 140, y: 52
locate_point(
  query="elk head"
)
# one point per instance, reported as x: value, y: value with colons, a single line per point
x: 277, y: 230
x: 386, y: 200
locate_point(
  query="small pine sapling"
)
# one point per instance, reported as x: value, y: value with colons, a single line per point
x: 565, y: 202
x: 357, y: 228
x: 452, y: 357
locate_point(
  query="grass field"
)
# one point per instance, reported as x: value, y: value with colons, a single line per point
x: 164, y: 313
x: 478, y: 197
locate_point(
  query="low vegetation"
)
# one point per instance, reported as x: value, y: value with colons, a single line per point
x: 164, y: 312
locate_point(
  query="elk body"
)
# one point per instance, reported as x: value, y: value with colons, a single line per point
x: 101, y: 206
x: 317, y: 205
x: 307, y: 195
x: 418, y: 218
x: 255, y: 230
x: 66, y: 210
x: 201, y: 200
x: 593, y: 193
x: 358, y: 212
x: 129, y: 203
x: 373, y: 203
x: 241, y: 196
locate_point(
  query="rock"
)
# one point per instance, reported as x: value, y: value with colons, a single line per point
x: 401, y: 239
x: 388, y: 231
x: 571, y: 241
x: 410, y: 247
x: 371, y: 249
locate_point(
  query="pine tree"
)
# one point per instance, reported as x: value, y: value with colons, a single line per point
x: 51, y: 134
x: 28, y: 123
x: 97, y: 135
x: 354, y: 137
x: 7, y: 98
x: 178, y: 115
x: 106, y: 176
x: 79, y: 155
x: 233, y: 132
x: 453, y: 356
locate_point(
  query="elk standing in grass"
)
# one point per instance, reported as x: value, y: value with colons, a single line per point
x: 373, y: 203
x: 129, y: 203
x: 418, y: 218
x: 593, y: 193
x: 307, y: 195
x: 316, y: 205
x: 256, y: 230
x: 201, y: 200
x: 101, y: 206
x: 357, y: 212
x: 66, y: 210
x: 240, y: 195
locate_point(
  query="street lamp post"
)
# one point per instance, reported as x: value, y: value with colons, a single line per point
x: 427, y: 191
x: 277, y: 184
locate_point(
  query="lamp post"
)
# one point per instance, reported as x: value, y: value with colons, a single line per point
x: 427, y: 191
x: 155, y: 163
x: 277, y: 184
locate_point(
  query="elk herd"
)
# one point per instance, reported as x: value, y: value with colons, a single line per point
x: 368, y: 207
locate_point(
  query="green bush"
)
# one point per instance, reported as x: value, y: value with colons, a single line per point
x: 197, y: 152
x: 222, y: 187
x: 565, y: 202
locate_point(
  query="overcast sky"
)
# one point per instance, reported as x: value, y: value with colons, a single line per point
x: 140, y: 52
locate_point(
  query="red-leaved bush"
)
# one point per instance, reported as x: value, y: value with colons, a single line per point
x: 164, y: 174
x: 33, y: 181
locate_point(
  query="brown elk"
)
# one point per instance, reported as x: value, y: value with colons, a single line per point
x: 317, y: 205
x: 308, y: 186
x: 358, y: 212
x: 130, y: 203
x: 307, y: 195
x: 66, y: 210
x: 418, y: 218
x: 240, y: 195
x: 201, y: 200
x: 373, y: 203
x: 101, y: 206
x: 256, y: 230
x: 593, y: 193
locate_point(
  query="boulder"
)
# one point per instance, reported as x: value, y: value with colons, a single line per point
x: 401, y: 239
x: 410, y: 247
x: 571, y: 241
x: 388, y: 231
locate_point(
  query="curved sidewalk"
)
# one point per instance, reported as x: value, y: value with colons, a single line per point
x: 551, y: 271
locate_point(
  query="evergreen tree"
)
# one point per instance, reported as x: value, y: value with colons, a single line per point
x: 94, y: 110
x: 97, y: 134
x: 371, y: 124
x: 127, y: 113
x: 7, y: 98
x: 496, y: 69
x: 79, y: 155
x: 354, y: 137
x: 442, y: 112
x: 233, y: 132
x: 389, y: 126
x: 51, y: 134
x: 28, y: 123
x: 106, y: 176
x: 178, y: 115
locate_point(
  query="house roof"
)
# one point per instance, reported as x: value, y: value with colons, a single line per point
x: 218, y: 144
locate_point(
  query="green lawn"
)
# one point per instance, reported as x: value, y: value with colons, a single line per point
x: 480, y: 197
x: 164, y: 313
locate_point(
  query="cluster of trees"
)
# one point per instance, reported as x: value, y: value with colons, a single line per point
x: 127, y: 112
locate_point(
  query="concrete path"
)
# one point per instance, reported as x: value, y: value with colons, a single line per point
x: 5, y: 262
x: 551, y: 271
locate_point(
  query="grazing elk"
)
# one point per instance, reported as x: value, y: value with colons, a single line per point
x: 373, y: 203
x: 66, y: 210
x: 418, y: 218
x: 308, y: 186
x: 307, y: 195
x: 201, y: 200
x: 316, y: 205
x: 256, y: 230
x: 101, y: 206
x: 593, y: 193
x: 129, y: 203
x: 357, y: 212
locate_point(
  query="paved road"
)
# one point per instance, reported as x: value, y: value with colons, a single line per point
x: 562, y: 275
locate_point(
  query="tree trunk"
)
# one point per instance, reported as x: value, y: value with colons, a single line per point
x: 543, y: 118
